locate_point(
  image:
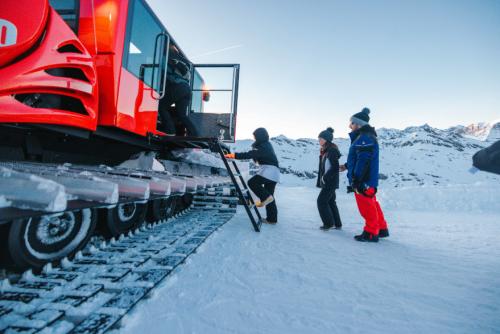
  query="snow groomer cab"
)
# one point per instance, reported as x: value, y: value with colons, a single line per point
x: 81, y: 85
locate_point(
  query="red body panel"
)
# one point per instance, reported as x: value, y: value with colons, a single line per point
x: 137, y: 110
x: 112, y: 96
x: 28, y: 75
x: 110, y: 17
x: 125, y: 101
x: 87, y: 26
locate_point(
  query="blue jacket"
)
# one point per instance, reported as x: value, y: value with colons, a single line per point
x: 363, y: 159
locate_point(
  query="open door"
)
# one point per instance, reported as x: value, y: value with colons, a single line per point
x: 214, y: 103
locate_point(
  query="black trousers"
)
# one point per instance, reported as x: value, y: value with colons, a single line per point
x: 327, y: 207
x: 263, y: 188
x: 180, y: 94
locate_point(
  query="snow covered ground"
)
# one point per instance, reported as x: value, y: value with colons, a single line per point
x: 439, y: 272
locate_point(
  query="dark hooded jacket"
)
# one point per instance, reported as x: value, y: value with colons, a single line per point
x: 363, y: 159
x: 328, y: 171
x: 262, y: 151
x: 178, y: 67
x: 488, y: 159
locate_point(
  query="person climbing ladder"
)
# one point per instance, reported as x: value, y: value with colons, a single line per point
x: 264, y: 183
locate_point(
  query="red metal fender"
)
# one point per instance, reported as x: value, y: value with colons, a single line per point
x: 28, y: 75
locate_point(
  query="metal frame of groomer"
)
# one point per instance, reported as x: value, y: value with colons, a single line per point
x: 233, y: 90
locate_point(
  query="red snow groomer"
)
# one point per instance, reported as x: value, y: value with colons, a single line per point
x: 80, y: 88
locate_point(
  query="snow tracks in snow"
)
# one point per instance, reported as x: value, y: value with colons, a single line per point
x: 94, y: 291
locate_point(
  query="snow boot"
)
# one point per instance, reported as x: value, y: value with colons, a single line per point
x: 267, y: 201
x: 366, y: 237
x: 325, y: 227
x: 383, y: 233
x: 265, y: 221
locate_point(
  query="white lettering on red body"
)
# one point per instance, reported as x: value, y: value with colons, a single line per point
x: 8, y: 33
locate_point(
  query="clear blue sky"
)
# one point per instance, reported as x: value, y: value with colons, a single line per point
x: 306, y: 65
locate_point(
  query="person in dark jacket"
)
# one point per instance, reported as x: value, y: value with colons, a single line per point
x: 488, y: 159
x: 178, y: 91
x: 264, y: 183
x: 328, y: 181
x: 362, y: 172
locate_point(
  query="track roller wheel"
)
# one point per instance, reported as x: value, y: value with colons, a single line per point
x: 182, y: 203
x: 160, y: 209
x: 122, y: 218
x: 174, y: 205
x: 35, y: 241
x: 187, y: 200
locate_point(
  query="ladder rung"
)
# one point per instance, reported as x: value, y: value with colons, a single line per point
x: 242, y: 190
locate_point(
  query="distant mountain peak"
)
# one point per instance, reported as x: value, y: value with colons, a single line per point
x: 417, y: 155
x: 482, y: 131
x: 280, y: 137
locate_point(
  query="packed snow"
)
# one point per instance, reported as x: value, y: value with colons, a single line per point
x: 200, y: 157
x: 4, y: 202
x: 43, y: 194
x: 438, y: 272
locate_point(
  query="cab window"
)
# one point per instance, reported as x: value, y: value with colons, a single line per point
x: 68, y: 10
x: 139, y: 58
x: 197, y: 99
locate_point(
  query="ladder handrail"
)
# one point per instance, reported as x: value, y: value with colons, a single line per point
x: 256, y: 223
x: 245, y: 185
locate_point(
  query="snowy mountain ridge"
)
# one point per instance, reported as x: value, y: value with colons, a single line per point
x: 415, y: 156
x: 489, y: 132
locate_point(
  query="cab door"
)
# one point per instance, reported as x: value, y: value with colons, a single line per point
x: 214, y: 103
x: 143, y: 72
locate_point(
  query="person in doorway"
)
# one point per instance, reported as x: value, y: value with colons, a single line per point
x: 328, y: 181
x: 178, y: 92
x: 264, y: 183
x: 362, y: 172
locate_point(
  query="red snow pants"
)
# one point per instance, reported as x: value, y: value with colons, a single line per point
x: 370, y: 210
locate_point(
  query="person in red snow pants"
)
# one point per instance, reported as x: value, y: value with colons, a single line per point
x: 363, y: 173
x: 370, y: 210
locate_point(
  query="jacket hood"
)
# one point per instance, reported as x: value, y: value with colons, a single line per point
x: 364, y: 129
x: 368, y: 129
x: 261, y: 135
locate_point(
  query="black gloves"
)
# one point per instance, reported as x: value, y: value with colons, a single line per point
x: 182, y: 68
x: 358, y: 186
x: 179, y: 66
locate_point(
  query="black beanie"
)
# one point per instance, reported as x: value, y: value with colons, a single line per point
x: 361, y: 118
x: 326, y: 135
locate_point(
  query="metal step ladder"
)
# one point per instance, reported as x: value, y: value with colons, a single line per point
x: 243, y: 190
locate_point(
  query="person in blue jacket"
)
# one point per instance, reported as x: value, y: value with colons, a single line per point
x: 363, y: 173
